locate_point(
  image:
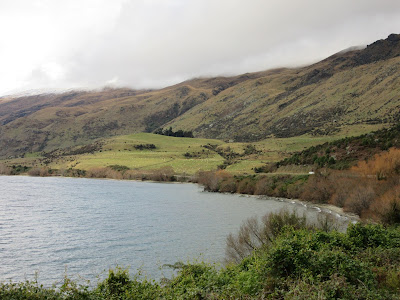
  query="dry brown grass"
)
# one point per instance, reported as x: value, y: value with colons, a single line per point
x: 5, y: 170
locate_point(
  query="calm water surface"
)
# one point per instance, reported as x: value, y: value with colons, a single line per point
x: 83, y: 227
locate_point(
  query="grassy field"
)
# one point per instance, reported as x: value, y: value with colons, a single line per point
x: 184, y: 155
x: 169, y: 152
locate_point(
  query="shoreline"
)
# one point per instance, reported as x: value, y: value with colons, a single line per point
x: 325, y: 208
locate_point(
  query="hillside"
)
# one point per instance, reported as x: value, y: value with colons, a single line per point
x: 343, y: 153
x: 346, y: 89
x: 333, y: 97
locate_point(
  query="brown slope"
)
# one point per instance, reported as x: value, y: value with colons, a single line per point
x: 346, y: 89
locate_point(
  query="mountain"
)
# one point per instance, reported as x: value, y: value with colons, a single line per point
x: 345, y: 90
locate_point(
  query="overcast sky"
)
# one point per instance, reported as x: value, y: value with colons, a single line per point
x: 64, y: 44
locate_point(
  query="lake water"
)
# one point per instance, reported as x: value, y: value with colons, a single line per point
x: 53, y: 226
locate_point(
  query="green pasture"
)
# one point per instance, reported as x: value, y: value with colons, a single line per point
x: 170, y: 151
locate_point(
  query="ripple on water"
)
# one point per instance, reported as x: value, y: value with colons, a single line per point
x: 50, y: 225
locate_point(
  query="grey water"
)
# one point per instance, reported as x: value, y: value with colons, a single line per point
x: 56, y: 226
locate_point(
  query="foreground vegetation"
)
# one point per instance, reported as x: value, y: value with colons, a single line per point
x: 283, y: 257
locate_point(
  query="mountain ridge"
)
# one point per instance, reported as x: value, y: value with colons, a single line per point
x: 359, y: 86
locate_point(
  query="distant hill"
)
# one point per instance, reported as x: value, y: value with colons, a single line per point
x: 345, y: 90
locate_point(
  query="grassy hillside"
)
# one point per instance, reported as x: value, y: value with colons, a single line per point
x: 184, y: 155
x: 335, y: 96
x: 282, y: 105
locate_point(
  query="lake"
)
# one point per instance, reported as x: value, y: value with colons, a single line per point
x: 52, y: 226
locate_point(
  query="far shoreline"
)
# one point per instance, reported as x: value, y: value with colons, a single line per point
x: 324, y: 208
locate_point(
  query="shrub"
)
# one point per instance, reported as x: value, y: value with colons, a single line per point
x: 342, y: 190
x: 27, y: 290
x: 228, y: 185
x: 365, y: 236
x: 254, y: 235
x: 359, y: 199
x: 5, y: 170
x: 264, y: 186
x: 319, y: 188
x: 145, y: 147
x: 39, y: 172
x: 119, y: 168
x: 246, y: 186
x: 162, y: 174
x: 115, y: 285
x: 387, y: 207
x: 103, y: 173
x: 212, y: 180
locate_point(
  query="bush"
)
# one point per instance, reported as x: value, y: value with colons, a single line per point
x: 212, y: 180
x: 145, y: 147
x: 228, y: 185
x: 5, y: 170
x: 119, y: 168
x: 254, y: 235
x: 387, y: 207
x: 319, y: 188
x: 115, y: 286
x: 246, y: 186
x: 103, y: 173
x: 43, y: 172
x: 359, y: 199
x: 264, y: 186
x: 161, y: 174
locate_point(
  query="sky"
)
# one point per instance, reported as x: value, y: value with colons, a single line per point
x: 48, y: 45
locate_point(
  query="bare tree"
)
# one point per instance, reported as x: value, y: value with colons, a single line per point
x: 253, y: 234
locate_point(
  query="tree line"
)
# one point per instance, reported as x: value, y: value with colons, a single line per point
x: 170, y: 132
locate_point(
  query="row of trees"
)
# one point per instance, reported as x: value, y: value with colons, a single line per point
x: 178, y: 133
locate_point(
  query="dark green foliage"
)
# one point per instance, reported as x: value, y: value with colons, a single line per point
x: 116, y: 285
x: 251, y: 149
x: 170, y: 132
x: 373, y: 236
x: 343, y: 153
x: 145, y: 147
x: 75, y: 172
x: 18, y: 169
x: 27, y: 290
x: 119, y: 168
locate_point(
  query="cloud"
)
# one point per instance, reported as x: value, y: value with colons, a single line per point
x: 153, y: 43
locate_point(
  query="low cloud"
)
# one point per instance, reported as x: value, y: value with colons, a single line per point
x: 140, y: 43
